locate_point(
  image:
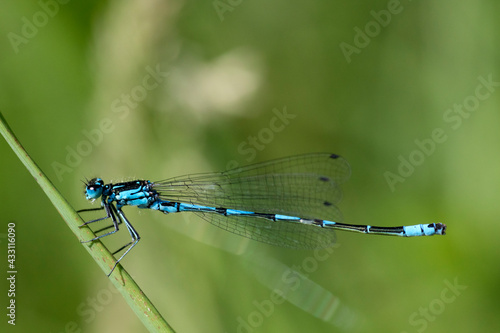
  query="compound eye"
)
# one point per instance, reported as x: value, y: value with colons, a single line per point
x: 93, y: 189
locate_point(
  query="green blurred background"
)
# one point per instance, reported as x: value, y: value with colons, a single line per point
x: 226, y: 70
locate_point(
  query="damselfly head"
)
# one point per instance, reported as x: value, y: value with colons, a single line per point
x: 93, y: 189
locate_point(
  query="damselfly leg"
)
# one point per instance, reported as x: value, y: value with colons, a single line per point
x: 117, y: 217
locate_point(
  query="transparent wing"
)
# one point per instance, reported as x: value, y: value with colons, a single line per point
x: 305, y: 186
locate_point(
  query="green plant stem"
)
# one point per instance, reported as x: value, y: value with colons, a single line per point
x: 133, y: 295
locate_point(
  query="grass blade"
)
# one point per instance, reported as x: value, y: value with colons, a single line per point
x: 133, y: 295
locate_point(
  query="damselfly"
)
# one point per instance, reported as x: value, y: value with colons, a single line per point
x: 289, y: 202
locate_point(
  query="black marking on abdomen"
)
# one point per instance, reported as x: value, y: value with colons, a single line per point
x: 222, y: 211
x: 318, y: 222
x: 267, y: 216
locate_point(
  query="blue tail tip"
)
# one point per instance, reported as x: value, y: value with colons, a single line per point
x: 440, y: 228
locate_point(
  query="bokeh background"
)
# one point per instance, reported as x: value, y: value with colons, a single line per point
x: 238, y: 82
